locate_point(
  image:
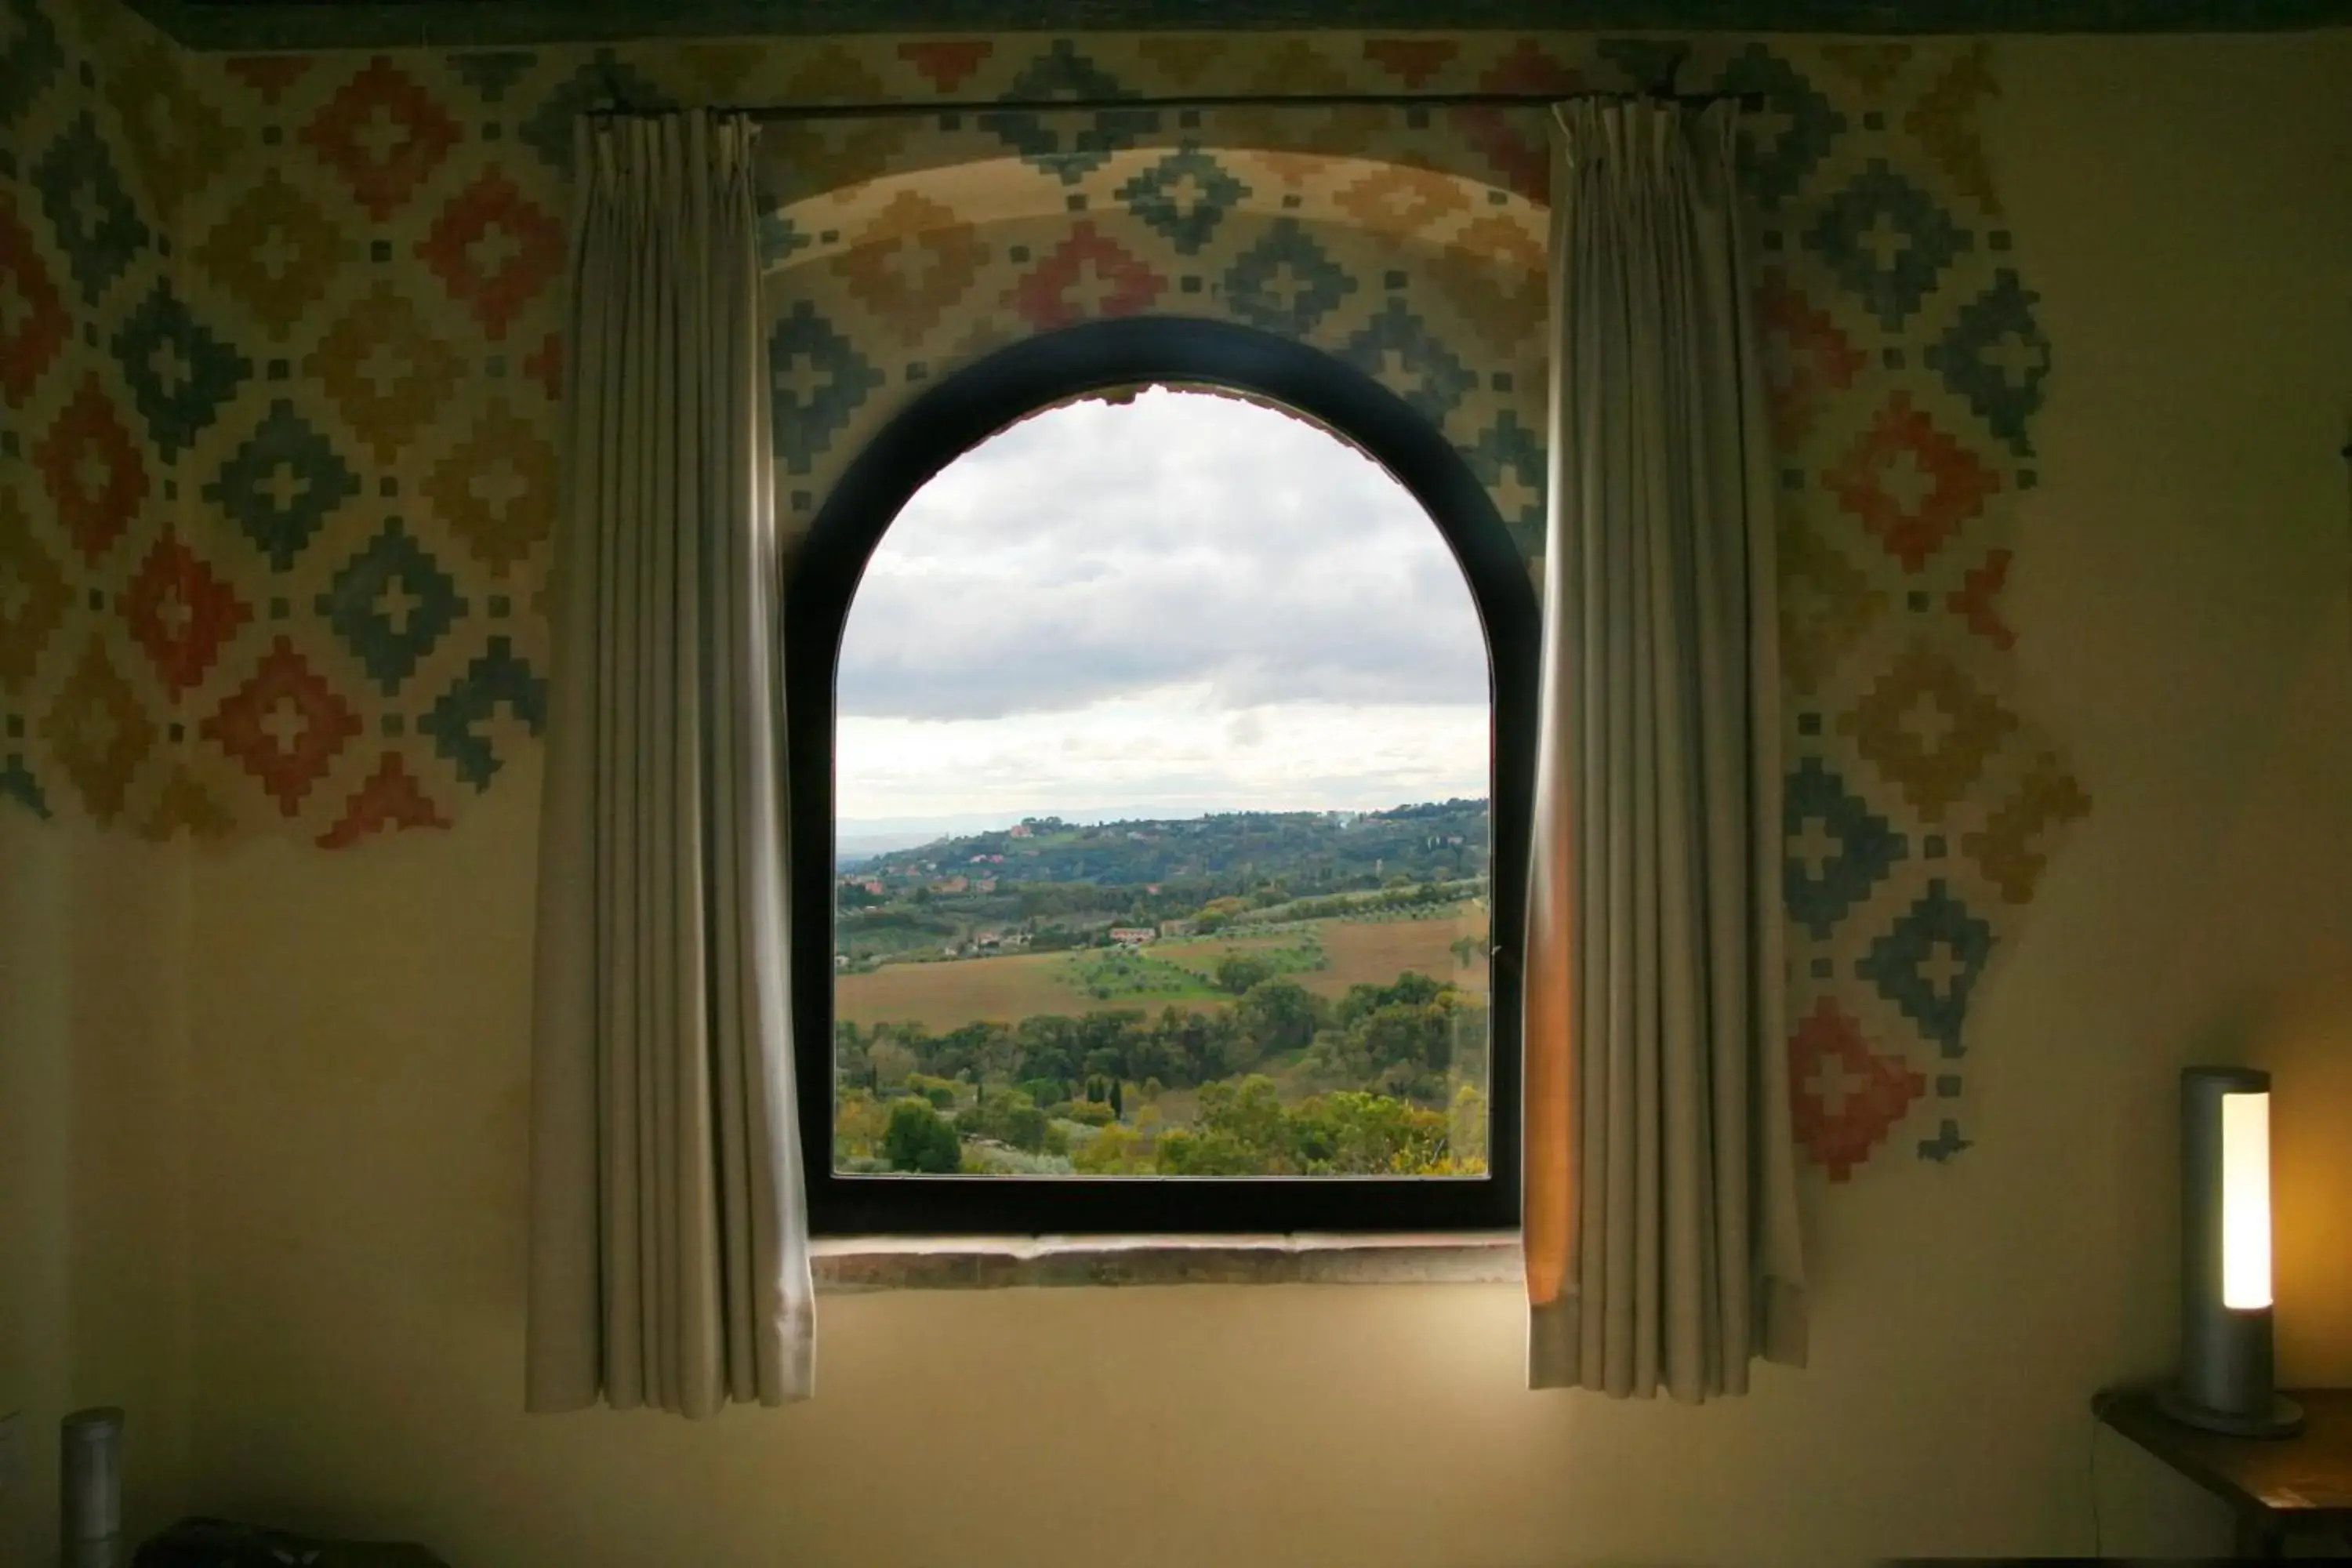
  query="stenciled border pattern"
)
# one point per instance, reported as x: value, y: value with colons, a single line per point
x: 340, y: 367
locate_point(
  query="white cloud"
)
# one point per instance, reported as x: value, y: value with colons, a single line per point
x: 1184, y: 603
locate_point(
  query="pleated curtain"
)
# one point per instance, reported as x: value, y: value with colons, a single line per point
x: 668, y: 1237
x: 1660, y: 1208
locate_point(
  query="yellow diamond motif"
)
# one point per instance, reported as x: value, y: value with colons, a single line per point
x: 275, y: 253
x: 387, y: 374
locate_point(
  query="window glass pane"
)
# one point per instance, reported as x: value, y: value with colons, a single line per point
x: 1161, y: 813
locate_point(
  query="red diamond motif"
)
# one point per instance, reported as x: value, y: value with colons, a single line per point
x: 1086, y: 276
x: 493, y: 250
x: 390, y: 799
x: 92, y: 470
x: 1910, y: 483
x: 181, y: 612
x: 383, y: 134
x: 1806, y: 358
x: 285, y: 724
x: 946, y: 62
x: 1523, y: 161
x: 1847, y: 1097
x: 33, y: 321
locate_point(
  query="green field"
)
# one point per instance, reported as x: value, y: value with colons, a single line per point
x: 943, y: 993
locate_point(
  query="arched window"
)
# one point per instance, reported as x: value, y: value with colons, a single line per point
x: 1160, y: 764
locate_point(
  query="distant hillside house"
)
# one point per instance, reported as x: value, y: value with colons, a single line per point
x: 1175, y: 927
x: 951, y: 885
x: 1018, y: 830
x: 1133, y: 936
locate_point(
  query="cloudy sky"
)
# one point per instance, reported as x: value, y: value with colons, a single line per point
x: 1181, y: 604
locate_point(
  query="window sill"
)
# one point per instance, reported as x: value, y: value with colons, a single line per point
x: 847, y: 1265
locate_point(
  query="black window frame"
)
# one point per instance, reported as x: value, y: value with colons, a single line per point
x: 958, y: 412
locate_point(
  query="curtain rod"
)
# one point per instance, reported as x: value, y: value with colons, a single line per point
x: 779, y: 113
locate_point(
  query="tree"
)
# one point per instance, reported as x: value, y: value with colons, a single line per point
x: 1279, y: 1015
x: 1118, y: 1102
x: 1237, y: 972
x: 919, y: 1139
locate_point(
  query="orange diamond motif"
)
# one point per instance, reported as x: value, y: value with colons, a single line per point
x: 98, y: 732
x: 383, y: 134
x: 1910, y: 483
x: 497, y: 488
x: 493, y: 250
x: 285, y: 724
x: 92, y: 469
x: 385, y: 371
x: 912, y: 262
x: 1493, y: 272
x: 1395, y: 199
x: 274, y: 253
x: 33, y: 321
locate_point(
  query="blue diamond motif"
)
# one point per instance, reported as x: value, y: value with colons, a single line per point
x: 29, y: 56
x: 282, y: 483
x: 497, y: 676
x: 1997, y: 357
x: 1508, y: 459
x: 97, y: 225
x: 1285, y: 283
x: 1937, y: 928
x: 819, y: 382
x: 391, y: 603
x: 604, y: 83
x: 1401, y: 354
x: 1866, y: 848
x: 491, y: 71
x: 1183, y: 197
x: 17, y: 784
x: 179, y: 372
x: 1886, y: 239
x: 1069, y: 145
x: 1804, y: 123
x: 779, y: 238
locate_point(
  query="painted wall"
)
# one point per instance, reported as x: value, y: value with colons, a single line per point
x: 353, y: 1037
x: 2180, y: 600
x: 94, y: 915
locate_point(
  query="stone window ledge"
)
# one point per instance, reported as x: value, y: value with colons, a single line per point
x: 856, y: 1263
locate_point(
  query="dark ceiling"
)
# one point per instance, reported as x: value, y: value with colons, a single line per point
x: 321, y: 23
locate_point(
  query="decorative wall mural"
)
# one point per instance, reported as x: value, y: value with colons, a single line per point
x: 280, y: 356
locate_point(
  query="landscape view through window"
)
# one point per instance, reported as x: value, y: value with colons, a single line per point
x: 1161, y: 825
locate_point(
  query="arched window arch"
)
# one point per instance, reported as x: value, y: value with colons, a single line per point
x: 953, y: 416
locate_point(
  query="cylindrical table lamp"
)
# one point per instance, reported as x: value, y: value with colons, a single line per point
x: 2226, y: 1379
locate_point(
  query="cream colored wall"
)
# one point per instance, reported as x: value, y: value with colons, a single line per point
x: 93, y: 1163
x: 359, y: 1024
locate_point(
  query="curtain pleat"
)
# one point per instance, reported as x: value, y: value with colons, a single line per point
x: 668, y: 1247
x: 1660, y: 1208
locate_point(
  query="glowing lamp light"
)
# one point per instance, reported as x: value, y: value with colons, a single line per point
x: 2226, y: 1381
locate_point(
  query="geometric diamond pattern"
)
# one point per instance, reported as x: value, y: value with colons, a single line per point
x: 386, y: 371
x: 179, y: 372
x: 285, y: 724
x: 34, y: 597
x: 34, y: 325
x: 274, y: 253
x: 1286, y: 282
x: 92, y: 468
x: 30, y: 56
x: 179, y: 609
x: 1839, y: 848
x: 818, y: 380
x: 282, y: 483
x: 916, y: 259
x: 1067, y: 145
x: 383, y: 135
x: 98, y: 732
x: 1910, y: 483
x: 96, y: 225
x: 1928, y: 963
x: 497, y: 678
x: 1888, y: 241
x: 1183, y: 198
x: 1927, y: 729
x: 1088, y: 274
x: 1398, y: 349
x: 1845, y: 1097
x: 493, y: 250
x: 391, y: 603
x: 1783, y: 143
x: 497, y: 488
x: 1996, y: 357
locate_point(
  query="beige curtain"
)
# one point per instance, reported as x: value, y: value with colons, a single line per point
x: 668, y: 1244
x: 1662, y: 1244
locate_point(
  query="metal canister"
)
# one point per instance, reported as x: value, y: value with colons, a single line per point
x: 92, y: 1479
